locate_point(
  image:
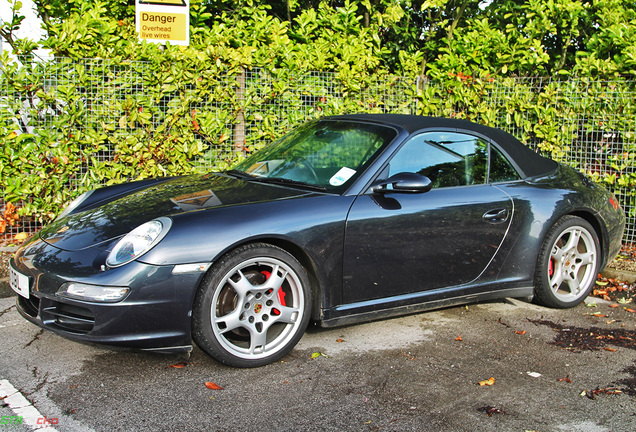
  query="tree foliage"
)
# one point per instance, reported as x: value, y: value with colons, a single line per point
x: 412, y: 37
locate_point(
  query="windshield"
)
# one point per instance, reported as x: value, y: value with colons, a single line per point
x: 324, y: 154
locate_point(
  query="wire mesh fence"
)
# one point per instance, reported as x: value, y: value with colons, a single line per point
x: 111, y: 110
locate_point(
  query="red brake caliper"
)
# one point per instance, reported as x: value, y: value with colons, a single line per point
x: 551, y: 267
x: 281, y: 294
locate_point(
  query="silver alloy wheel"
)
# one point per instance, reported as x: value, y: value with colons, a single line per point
x: 572, y: 264
x: 257, y: 308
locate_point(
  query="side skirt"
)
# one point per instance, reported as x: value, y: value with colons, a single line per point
x: 356, y: 318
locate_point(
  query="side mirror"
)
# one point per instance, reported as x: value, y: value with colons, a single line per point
x: 405, y: 182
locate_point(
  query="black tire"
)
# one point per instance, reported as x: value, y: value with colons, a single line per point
x: 568, y: 263
x: 252, y: 307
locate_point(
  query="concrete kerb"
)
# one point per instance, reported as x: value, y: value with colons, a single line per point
x: 621, y: 275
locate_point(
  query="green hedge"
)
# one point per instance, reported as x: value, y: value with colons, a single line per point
x: 67, y: 126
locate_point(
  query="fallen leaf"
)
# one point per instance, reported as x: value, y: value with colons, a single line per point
x: 610, y: 349
x: 490, y: 381
x: 21, y: 236
x: 213, y: 386
x: 340, y: 340
x: 490, y: 410
x: 593, y: 393
x: 407, y: 355
x: 630, y: 310
x: 522, y: 332
x: 459, y: 338
x: 601, y: 283
x: 315, y: 355
x: 566, y: 379
x: 598, y: 314
x: 614, y: 305
x: 179, y: 365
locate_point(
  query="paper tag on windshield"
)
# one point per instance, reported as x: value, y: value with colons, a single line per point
x: 341, y: 176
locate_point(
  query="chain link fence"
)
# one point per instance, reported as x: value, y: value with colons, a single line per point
x: 243, y: 111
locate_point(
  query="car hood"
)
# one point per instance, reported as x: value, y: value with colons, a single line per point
x: 113, y: 219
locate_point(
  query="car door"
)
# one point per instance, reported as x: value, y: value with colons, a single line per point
x: 399, y: 243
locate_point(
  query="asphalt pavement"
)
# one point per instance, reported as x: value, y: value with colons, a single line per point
x: 551, y: 370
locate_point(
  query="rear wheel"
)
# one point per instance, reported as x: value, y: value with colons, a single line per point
x: 252, y: 307
x: 568, y: 263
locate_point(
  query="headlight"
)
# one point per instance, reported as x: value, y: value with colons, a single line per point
x: 138, y: 242
x: 80, y: 291
x: 75, y: 203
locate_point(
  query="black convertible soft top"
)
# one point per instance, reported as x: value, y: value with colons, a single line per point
x: 529, y: 162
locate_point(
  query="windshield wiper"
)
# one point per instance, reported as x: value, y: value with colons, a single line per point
x: 273, y: 180
x: 238, y: 174
x: 288, y: 182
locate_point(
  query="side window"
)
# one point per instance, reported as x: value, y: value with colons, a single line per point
x: 500, y: 169
x: 447, y: 158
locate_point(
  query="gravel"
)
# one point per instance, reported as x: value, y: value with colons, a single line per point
x: 4, y: 264
x: 626, y: 259
x: 5, y: 289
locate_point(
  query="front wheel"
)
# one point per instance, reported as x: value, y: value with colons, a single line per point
x: 252, y: 307
x: 568, y: 263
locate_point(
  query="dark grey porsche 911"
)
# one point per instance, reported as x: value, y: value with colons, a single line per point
x: 344, y: 220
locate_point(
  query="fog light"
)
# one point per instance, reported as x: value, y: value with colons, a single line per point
x: 80, y: 291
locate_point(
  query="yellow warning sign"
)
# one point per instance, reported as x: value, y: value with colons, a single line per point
x: 164, y: 2
x: 163, y: 21
x: 163, y: 26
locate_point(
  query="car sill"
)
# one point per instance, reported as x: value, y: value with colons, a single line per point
x: 355, y: 318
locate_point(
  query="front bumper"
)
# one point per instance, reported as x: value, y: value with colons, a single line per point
x: 156, y: 314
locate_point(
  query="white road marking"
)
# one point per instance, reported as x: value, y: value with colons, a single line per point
x: 23, y: 408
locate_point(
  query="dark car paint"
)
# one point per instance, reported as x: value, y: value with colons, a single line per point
x: 445, y: 228
x: 109, y: 193
x: 119, y: 216
x: 155, y: 314
x: 316, y: 228
x: 511, y: 272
